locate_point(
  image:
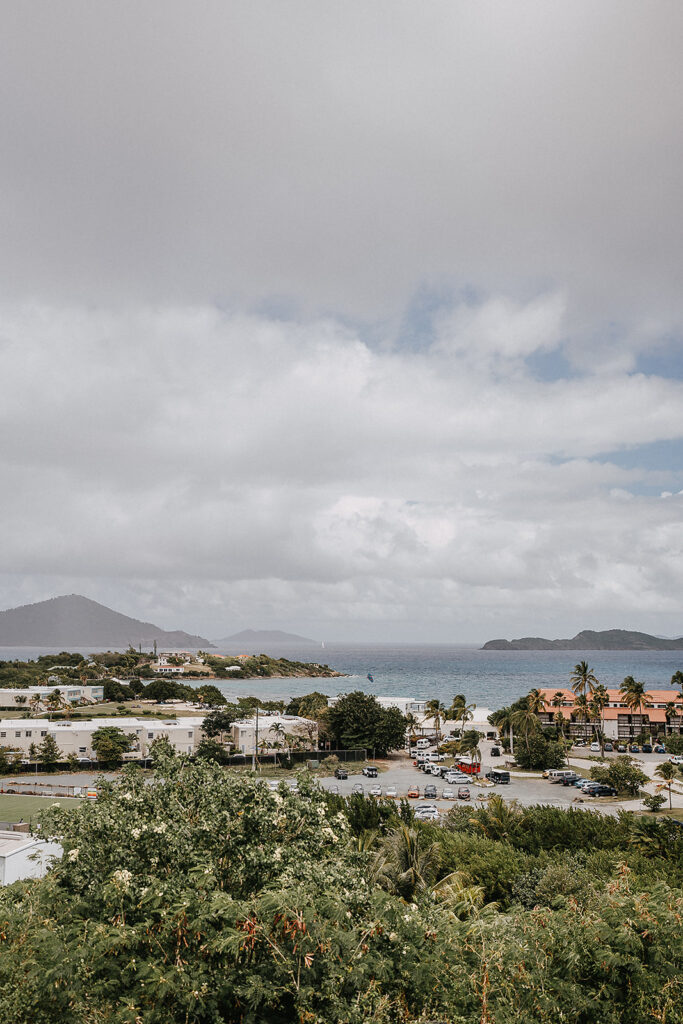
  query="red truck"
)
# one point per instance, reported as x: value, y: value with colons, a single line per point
x: 467, y: 765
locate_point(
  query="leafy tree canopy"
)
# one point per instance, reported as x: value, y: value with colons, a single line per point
x: 358, y: 720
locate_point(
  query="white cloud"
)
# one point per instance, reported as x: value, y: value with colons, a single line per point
x: 298, y: 473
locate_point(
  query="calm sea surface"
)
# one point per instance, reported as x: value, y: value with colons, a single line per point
x: 488, y: 678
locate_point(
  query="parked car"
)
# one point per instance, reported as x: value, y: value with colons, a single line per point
x: 414, y: 792
x: 427, y: 812
x: 455, y: 778
x: 334, y: 789
x: 448, y: 794
x: 595, y: 748
x: 569, y: 780
x: 647, y: 748
x: 579, y: 781
x: 676, y: 758
x: 495, y: 751
x: 659, y: 748
x: 430, y: 791
x: 341, y: 773
x: 621, y: 748
x: 602, y: 791
x: 423, y: 743
x: 579, y: 743
x: 375, y: 790
x: 370, y: 771
x: 608, y: 748
x: 634, y: 748
x: 392, y: 792
x: 357, y: 788
x: 464, y: 793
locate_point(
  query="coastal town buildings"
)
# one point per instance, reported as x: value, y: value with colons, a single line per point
x: 275, y: 731
x: 75, y: 737
x: 619, y: 721
x: 76, y: 693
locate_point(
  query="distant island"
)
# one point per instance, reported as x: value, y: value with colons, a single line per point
x: 76, y: 621
x: 267, y: 636
x: 590, y: 640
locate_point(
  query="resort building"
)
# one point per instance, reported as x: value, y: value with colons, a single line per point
x: 11, y: 698
x: 275, y: 731
x: 18, y: 734
x: 619, y: 721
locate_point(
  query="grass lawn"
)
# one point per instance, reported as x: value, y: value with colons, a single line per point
x: 14, y: 808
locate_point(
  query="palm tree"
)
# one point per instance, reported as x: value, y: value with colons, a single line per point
x: 582, y: 708
x: 525, y: 722
x: 461, y: 711
x: 408, y: 864
x: 499, y: 819
x: 599, y: 702
x: 671, y: 711
x: 411, y: 725
x: 35, y: 702
x: 583, y: 679
x: 502, y: 719
x: 634, y: 696
x: 666, y: 771
x: 436, y: 710
x: 535, y: 701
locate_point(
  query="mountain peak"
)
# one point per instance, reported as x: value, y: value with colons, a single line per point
x: 72, y: 620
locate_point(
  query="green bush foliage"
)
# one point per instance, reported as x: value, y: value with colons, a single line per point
x: 203, y: 897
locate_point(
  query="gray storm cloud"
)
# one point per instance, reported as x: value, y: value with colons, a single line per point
x: 219, y: 403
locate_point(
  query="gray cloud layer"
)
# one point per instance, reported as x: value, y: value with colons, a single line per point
x: 215, y: 219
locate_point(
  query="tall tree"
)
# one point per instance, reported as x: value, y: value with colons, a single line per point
x: 536, y: 701
x: 48, y: 751
x: 583, y: 679
x: 599, y: 702
x: 435, y: 709
x: 634, y: 696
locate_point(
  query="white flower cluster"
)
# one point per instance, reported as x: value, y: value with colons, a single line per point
x: 122, y: 878
x: 73, y: 854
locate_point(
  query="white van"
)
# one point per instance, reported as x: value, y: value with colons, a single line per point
x: 422, y: 743
x: 557, y: 774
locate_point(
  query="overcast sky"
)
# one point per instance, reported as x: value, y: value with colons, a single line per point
x: 357, y: 319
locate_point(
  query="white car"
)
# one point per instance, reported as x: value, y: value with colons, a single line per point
x: 427, y: 812
x: 448, y: 794
x: 457, y: 778
x: 392, y: 792
x: 595, y: 748
x: 676, y: 759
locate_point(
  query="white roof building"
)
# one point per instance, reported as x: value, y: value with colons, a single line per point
x: 23, y: 855
x: 75, y: 737
x: 292, y: 731
x: 11, y: 697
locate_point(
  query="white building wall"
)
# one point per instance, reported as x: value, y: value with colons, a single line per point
x: 24, y: 856
x: 184, y: 734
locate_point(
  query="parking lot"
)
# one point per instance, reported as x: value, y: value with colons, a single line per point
x: 527, y: 790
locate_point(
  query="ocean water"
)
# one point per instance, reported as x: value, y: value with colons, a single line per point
x: 487, y: 678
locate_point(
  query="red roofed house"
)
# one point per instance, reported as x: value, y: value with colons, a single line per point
x: 620, y: 721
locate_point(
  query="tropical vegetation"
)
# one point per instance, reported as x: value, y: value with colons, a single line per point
x: 202, y: 897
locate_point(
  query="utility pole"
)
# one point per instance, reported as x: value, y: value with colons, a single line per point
x: 254, y: 752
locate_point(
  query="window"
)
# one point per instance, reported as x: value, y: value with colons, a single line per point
x: 43, y: 732
x: 17, y: 734
x: 2, y: 735
x: 150, y: 735
x: 28, y: 732
x: 190, y: 734
x: 81, y: 750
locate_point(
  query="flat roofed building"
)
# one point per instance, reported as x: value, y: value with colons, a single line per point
x: 11, y: 698
x: 23, y: 855
x: 275, y: 731
x: 184, y: 733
